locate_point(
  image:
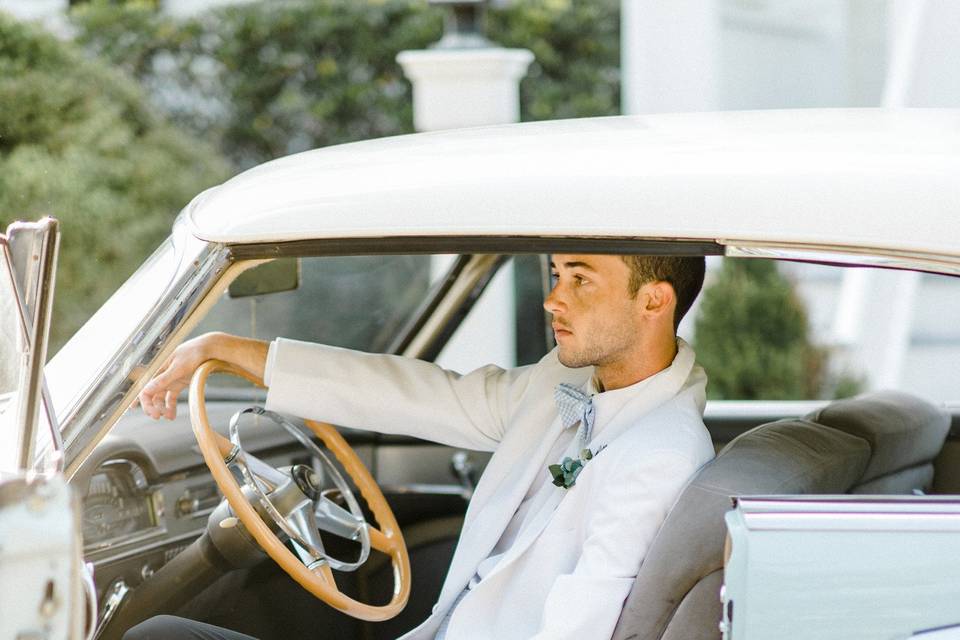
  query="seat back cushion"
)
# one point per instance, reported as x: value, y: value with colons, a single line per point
x: 882, y: 442
x: 789, y: 456
x: 905, y: 434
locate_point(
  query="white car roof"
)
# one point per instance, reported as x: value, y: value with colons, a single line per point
x: 858, y: 178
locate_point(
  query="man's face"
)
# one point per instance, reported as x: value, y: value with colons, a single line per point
x: 595, y: 320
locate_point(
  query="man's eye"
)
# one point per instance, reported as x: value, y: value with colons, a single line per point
x: 579, y: 280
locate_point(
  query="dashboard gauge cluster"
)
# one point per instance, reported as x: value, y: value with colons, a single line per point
x: 119, y: 506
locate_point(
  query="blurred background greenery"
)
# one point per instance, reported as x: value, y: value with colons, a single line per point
x: 753, y: 336
x: 80, y: 141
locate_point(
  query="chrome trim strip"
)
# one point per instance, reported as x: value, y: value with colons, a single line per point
x: 435, y: 296
x: 90, y: 592
x: 760, y: 409
x: 421, y: 488
x: 474, y: 273
x: 111, y: 605
x: 146, y: 534
x: 844, y: 255
x: 89, y: 418
x: 40, y: 240
x: 129, y: 553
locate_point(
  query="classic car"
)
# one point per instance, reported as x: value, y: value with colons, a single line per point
x: 432, y: 246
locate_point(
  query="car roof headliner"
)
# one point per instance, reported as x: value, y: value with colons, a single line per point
x: 871, y: 179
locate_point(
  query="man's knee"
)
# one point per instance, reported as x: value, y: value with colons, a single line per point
x: 162, y: 628
x: 173, y: 628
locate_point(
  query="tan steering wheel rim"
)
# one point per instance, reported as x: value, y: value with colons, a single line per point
x: 320, y: 582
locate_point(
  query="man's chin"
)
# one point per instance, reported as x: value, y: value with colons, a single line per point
x: 572, y: 360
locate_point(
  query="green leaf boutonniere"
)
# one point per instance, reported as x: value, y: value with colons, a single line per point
x: 565, y: 474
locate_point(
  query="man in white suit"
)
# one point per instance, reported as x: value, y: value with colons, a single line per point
x: 592, y: 444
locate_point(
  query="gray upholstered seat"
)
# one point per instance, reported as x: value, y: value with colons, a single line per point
x: 881, y: 441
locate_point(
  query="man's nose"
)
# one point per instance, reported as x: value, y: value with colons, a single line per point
x: 553, y: 303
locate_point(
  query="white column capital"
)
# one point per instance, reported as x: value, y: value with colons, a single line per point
x: 465, y: 87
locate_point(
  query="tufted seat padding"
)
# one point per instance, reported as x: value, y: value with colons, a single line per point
x: 903, y: 431
x: 675, y: 594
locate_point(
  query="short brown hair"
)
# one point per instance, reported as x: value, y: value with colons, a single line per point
x: 684, y: 274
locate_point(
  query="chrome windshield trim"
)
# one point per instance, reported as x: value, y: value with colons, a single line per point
x: 89, y: 417
x: 844, y: 256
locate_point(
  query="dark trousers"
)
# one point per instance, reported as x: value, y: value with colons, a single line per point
x: 174, y: 628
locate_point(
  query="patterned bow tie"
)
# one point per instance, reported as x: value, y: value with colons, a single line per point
x: 575, y: 406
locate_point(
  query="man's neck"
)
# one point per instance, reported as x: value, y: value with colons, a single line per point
x: 633, y: 369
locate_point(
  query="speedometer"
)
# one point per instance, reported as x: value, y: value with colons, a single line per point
x: 118, y: 504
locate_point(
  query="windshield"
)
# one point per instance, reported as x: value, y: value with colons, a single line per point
x: 356, y: 302
x: 116, y: 323
x: 13, y: 346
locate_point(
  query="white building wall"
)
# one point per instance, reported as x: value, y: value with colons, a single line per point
x: 669, y: 60
x: 893, y: 329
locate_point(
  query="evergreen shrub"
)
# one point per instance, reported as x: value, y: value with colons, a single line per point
x: 752, y: 336
x: 78, y: 141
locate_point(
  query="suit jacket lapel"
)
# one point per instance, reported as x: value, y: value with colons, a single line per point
x: 482, y: 531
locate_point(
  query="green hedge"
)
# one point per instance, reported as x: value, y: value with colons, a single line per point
x: 78, y: 141
x: 753, y: 337
x: 266, y: 79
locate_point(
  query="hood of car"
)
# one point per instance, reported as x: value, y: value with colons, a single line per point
x: 874, y: 179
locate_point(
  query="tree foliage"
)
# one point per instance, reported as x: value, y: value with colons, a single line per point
x: 752, y: 336
x: 266, y: 79
x: 78, y: 141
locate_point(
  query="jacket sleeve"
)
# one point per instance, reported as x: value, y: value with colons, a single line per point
x: 393, y: 394
x: 627, y: 508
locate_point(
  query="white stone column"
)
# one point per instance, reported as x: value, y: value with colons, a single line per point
x: 455, y: 88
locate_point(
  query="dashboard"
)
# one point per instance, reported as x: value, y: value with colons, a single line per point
x: 135, y: 521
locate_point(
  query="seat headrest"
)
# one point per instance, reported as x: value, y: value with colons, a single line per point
x: 902, y: 430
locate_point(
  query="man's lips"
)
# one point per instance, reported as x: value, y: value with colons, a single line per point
x: 560, y: 330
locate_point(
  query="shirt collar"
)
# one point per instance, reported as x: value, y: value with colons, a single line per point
x: 609, y: 403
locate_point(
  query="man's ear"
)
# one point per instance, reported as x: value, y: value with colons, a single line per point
x: 657, y: 299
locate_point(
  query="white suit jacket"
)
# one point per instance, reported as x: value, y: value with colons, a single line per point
x: 589, y: 539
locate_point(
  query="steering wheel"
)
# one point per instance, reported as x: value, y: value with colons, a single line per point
x: 292, y: 502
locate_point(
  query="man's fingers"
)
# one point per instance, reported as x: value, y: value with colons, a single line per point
x: 163, y: 380
x: 171, y: 402
x: 159, y: 396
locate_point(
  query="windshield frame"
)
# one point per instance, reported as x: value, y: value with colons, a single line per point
x: 90, y: 391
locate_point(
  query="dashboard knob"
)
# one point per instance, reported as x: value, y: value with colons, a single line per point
x: 187, y: 505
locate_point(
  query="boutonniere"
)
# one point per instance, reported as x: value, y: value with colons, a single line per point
x: 565, y: 474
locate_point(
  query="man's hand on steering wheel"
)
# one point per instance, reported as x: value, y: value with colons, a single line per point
x: 158, y: 398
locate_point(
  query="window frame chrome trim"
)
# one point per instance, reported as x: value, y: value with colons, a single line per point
x: 844, y: 256
x: 109, y: 393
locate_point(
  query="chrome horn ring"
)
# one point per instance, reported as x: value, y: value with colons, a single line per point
x: 305, y: 514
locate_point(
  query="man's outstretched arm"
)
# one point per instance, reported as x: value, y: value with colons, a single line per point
x: 159, y: 397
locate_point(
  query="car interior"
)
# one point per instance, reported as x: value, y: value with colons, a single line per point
x: 148, y: 496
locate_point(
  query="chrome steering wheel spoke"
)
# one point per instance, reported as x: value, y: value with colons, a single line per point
x: 333, y: 518
x: 293, y: 498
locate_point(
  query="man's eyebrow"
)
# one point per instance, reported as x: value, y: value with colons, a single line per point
x: 574, y: 264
